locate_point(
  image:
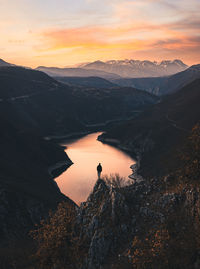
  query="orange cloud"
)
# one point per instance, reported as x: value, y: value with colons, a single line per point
x: 143, y: 40
x: 135, y: 36
x: 99, y: 37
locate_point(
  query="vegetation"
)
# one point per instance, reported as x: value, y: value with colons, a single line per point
x: 176, y: 244
x: 170, y: 244
x: 56, y: 242
x: 116, y: 181
x: 191, y: 156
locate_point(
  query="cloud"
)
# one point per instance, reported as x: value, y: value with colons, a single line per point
x: 140, y: 32
x: 125, y: 40
x: 90, y: 29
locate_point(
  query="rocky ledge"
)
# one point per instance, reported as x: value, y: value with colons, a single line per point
x: 112, y: 218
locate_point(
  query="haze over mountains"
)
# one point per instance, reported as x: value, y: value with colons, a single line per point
x: 160, y: 78
x: 113, y: 70
x: 122, y: 68
x: 162, y: 85
x: 159, y: 85
x: 136, y: 68
x: 76, y: 72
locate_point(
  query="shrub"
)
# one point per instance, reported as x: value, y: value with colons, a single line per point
x: 56, y: 243
x: 191, y: 156
x: 116, y: 181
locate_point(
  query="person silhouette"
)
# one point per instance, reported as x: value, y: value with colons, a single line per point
x: 99, y: 170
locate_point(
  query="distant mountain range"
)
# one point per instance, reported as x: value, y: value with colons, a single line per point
x: 116, y: 69
x: 76, y: 72
x: 162, y: 85
x: 156, y: 85
x: 136, y: 68
x: 161, y: 78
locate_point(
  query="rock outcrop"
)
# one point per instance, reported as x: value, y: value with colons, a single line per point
x: 112, y: 218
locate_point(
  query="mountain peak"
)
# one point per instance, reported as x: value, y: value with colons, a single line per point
x: 4, y: 63
x: 135, y: 68
x: 195, y: 67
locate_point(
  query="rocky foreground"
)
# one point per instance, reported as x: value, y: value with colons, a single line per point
x: 143, y: 224
x: 116, y: 224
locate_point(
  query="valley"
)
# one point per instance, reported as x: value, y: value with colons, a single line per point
x: 100, y: 134
x: 34, y: 107
x: 38, y: 116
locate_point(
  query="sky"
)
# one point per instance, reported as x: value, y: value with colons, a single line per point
x: 67, y: 32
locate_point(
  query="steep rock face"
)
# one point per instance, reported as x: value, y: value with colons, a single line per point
x: 111, y: 219
x: 106, y: 219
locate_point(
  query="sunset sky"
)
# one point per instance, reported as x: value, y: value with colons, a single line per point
x: 66, y: 32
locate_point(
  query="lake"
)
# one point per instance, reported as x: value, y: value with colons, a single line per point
x: 86, y: 153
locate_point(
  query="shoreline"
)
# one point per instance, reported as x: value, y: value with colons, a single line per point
x: 116, y: 143
x: 134, y: 167
x: 58, y: 168
x: 134, y: 176
x: 89, y: 128
x: 60, y: 138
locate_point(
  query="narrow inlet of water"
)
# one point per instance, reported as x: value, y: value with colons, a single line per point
x: 86, y: 153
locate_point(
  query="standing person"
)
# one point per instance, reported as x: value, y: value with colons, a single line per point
x: 99, y: 170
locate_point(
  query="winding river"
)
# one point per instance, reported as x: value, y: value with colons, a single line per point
x: 79, y: 179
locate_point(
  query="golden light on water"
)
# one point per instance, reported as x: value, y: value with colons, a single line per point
x: 78, y: 181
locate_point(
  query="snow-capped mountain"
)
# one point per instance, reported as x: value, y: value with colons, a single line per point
x: 136, y: 68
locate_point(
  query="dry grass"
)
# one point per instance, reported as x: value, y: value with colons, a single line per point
x: 117, y: 181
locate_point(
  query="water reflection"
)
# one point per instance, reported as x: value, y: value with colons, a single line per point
x: 78, y: 181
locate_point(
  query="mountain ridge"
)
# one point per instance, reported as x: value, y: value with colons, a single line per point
x: 96, y: 82
x: 137, y: 68
x: 163, y: 85
x: 77, y: 72
x: 4, y: 63
x: 156, y: 135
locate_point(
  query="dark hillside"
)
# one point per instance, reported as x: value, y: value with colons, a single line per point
x: 32, y: 107
x: 158, y: 132
x: 54, y: 108
x: 163, y: 85
x: 4, y: 63
x: 95, y: 82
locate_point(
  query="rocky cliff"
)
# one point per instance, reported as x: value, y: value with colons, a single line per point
x: 149, y: 223
x: 115, y: 221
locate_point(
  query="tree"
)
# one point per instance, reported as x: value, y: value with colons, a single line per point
x: 55, y: 239
x: 191, y: 156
